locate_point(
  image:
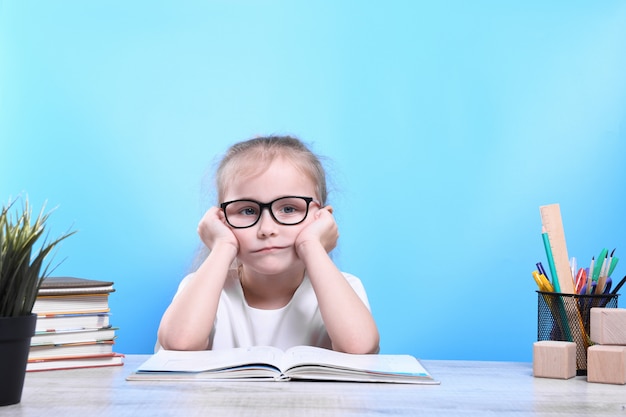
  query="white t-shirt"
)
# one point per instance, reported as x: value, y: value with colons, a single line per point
x: 298, y: 323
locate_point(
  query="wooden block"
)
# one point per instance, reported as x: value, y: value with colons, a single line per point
x: 606, y: 364
x: 608, y: 326
x: 554, y: 359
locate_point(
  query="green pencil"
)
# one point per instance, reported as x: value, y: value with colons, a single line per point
x: 546, y: 244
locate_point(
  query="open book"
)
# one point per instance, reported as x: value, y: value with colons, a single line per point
x: 269, y: 363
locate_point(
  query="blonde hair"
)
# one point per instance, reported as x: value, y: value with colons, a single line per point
x: 254, y: 156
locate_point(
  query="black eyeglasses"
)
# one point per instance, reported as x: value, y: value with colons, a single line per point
x: 290, y: 210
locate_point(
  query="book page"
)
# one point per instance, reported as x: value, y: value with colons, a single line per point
x: 375, y: 363
x: 210, y: 360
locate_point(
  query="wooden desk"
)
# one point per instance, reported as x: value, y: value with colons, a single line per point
x: 467, y: 389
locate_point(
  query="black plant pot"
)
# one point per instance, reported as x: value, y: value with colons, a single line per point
x: 15, y: 334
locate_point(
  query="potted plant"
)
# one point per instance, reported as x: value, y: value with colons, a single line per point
x: 24, y: 247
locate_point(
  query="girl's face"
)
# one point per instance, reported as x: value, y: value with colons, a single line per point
x: 267, y: 248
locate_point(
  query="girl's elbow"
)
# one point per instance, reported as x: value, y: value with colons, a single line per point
x: 361, y: 347
x: 170, y: 342
x: 181, y: 345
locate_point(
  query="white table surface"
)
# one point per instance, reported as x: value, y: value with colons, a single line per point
x: 467, y: 389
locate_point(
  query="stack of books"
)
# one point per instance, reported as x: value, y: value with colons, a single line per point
x: 73, y: 325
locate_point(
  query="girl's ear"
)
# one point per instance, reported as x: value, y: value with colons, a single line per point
x: 329, y: 208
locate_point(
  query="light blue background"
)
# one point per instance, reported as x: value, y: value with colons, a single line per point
x: 446, y: 125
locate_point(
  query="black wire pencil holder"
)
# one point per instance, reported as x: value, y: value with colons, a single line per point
x: 566, y: 317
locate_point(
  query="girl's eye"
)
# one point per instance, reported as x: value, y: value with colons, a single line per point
x: 248, y: 211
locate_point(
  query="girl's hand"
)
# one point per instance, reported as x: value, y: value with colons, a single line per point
x: 213, y: 229
x: 322, y: 229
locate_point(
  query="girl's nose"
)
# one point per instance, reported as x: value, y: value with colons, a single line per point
x: 267, y: 225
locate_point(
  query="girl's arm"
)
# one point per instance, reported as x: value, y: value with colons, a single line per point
x: 348, y: 321
x: 189, y: 319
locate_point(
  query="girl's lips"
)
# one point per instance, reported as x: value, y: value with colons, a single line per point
x: 269, y: 249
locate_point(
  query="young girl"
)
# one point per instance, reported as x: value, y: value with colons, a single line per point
x: 268, y: 278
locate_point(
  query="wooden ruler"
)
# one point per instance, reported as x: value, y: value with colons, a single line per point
x: 567, y: 313
x: 553, y: 223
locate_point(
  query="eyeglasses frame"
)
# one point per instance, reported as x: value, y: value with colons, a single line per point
x: 268, y: 206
